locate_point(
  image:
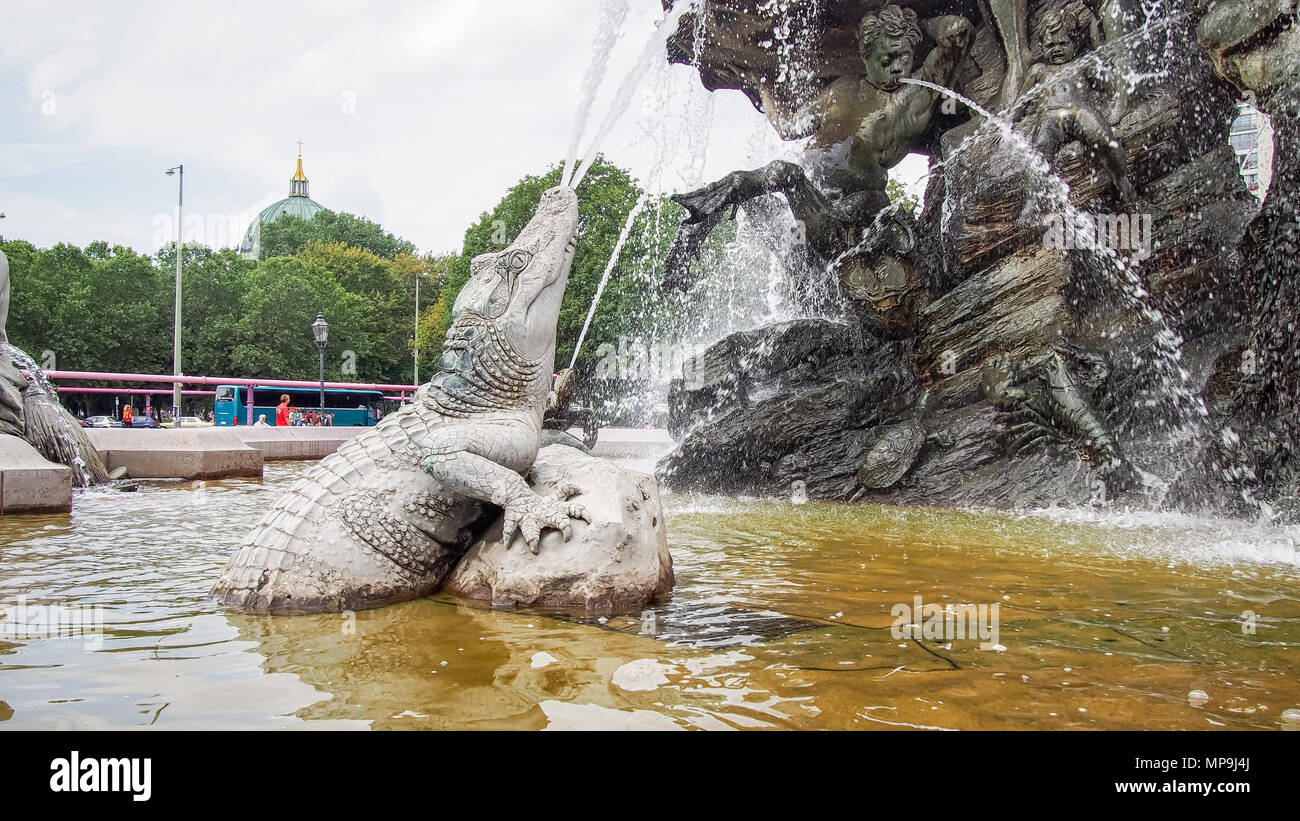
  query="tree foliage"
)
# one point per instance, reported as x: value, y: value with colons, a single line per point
x: 289, y: 235
x: 899, y: 195
x: 606, y: 197
x: 102, y: 309
x: 105, y: 308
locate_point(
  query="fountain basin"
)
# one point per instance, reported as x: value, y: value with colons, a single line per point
x: 29, y: 483
x: 780, y: 618
x: 177, y: 454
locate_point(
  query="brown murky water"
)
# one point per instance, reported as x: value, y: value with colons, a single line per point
x: 781, y: 618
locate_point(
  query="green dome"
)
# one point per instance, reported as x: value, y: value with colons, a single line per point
x: 297, y: 204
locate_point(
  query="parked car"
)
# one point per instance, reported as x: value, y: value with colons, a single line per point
x: 101, y: 422
x: 190, y: 422
x: 144, y: 422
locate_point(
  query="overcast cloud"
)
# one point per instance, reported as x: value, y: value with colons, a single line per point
x: 416, y: 115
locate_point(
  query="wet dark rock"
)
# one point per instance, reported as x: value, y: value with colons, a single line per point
x: 804, y: 402
x: 1255, y: 45
x: 794, y: 402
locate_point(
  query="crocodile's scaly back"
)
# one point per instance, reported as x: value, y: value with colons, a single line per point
x: 370, y: 524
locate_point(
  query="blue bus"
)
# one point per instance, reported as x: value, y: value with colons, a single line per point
x: 350, y: 408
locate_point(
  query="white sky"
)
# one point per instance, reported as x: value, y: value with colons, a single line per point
x: 418, y: 115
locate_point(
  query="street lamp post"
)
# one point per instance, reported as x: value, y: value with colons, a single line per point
x: 320, y: 330
x: 415, y: 376
x: 176, y: 329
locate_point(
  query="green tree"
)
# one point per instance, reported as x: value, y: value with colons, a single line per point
x: 272, y: 337
x: 387, y: 286
x: 214, y: 284
x: 898, y: 195
x: 289, y: 235
x: 433, y: 271
x: 93, y: 309
x: 606, y: 196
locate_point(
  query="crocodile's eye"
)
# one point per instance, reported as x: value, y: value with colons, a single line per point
x: 514, y: 261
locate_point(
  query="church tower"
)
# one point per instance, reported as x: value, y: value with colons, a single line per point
x: 298, y: 182
x: 298, y: 204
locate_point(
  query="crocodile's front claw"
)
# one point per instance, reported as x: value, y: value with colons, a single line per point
x: 530, y: 514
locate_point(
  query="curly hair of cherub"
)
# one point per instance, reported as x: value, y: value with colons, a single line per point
x: 892, y: 21
x: 1058, y: 20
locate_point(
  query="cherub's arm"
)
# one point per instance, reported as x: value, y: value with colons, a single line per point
x: 1036, y: 75
x: 1111, y: 86
x: 952, y: 34
x: 804, y: 120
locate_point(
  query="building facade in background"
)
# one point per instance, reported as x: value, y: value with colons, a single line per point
x: 1252, y: 139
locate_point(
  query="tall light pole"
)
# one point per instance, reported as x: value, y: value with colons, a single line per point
x: 176, y: 329
x: 320, y: 330
x: 415, y: 376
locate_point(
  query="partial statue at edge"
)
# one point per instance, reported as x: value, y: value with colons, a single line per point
x: 860, y: 128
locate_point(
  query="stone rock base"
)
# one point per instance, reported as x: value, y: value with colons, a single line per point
x: 789, y: 406
x: 29, y: 483
x: 618, y: 563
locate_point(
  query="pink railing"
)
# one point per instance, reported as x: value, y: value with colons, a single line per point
x: 147, y: 391
x: 223, y: 380
x: 212, y: 380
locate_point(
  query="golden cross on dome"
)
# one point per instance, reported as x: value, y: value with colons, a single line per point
x: 300, y: 146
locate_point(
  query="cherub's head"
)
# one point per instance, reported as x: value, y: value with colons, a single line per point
x: 887, y: 42
x: 1058, y: 37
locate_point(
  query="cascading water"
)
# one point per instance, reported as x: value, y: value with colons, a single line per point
x: 753, y: 272
x: 625, y: 91
x: 795, y: 45
x: 609, y: 267
x: 608, y: 30
x: 1188, y: 409
x: 51, y: 429
x: 679, y: 117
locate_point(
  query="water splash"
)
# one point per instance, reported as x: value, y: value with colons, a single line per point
x: 608, y: 31
x: 794, y: 32
x: 755, y: 271
x: 1188, y: 408
x: 609, y: 268
x: 653, y: 51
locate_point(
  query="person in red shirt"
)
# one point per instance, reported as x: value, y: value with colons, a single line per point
x: 126, y: 416
x: 282, y: 411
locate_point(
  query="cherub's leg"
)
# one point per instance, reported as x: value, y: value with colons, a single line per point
x: 739, y: 187
x: 707, y: 206
x: 1048, y: 137
x: 1051, y: 133
x: 1011, y: 19
x: 1090, y: 129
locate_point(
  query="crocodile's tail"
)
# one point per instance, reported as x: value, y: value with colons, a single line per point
x: 348, y: 536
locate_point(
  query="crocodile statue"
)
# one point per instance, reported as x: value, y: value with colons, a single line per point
x: 388, y: 515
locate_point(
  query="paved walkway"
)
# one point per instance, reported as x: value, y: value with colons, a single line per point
x: 219, y: 452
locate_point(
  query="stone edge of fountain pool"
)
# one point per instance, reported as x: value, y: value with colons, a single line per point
x: 30, y: 484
